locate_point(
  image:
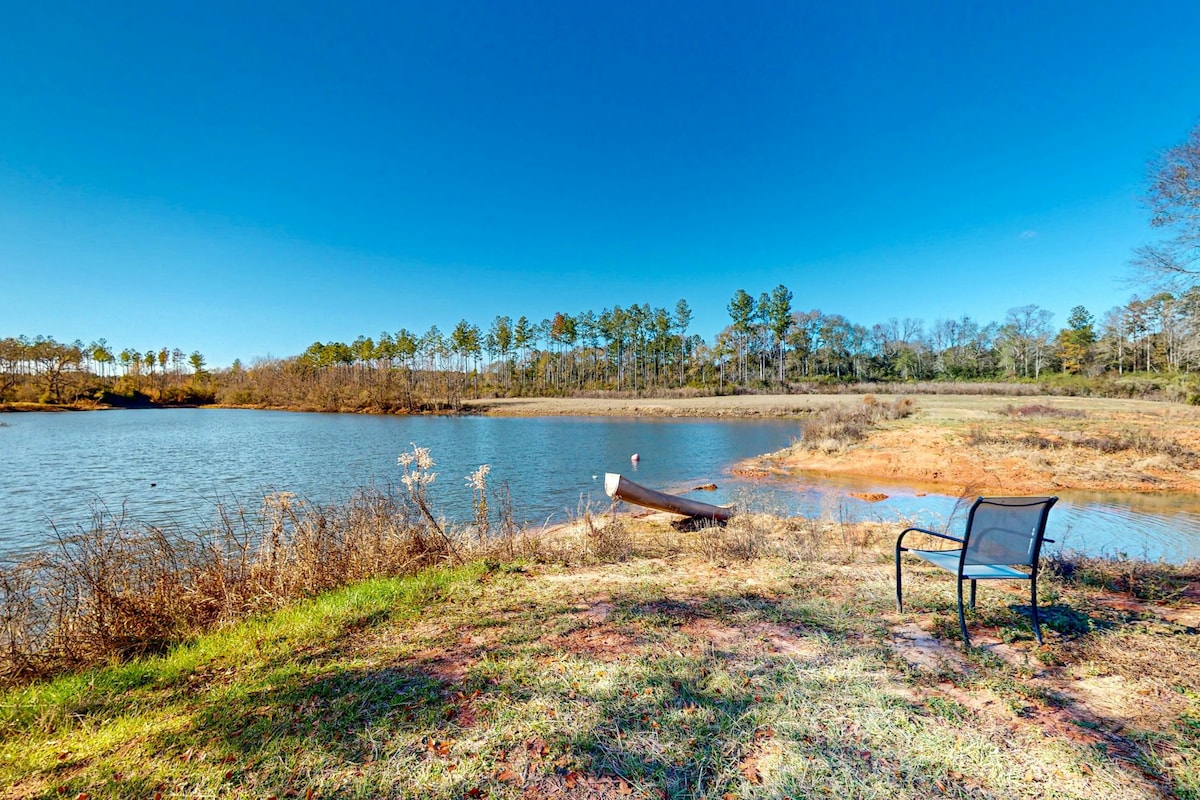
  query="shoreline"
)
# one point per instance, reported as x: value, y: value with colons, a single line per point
x: 952, y: 444
x: 748, y: 406
x: 970, y: 445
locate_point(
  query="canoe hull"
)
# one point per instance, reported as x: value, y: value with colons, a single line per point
x: 621, y: 488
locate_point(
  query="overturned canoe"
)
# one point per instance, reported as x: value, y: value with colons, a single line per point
x: 619, y: 488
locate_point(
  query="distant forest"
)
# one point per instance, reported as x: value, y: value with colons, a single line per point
x: 1147, y: 347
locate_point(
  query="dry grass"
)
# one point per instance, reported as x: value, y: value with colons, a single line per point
x: 1085, y: 444
x: 116, y: 589
x: 1138, y: 442
x: 669, y: 673
x: 833, y: 428
x: 1040, y: 410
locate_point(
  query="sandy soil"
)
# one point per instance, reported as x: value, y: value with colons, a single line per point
x: 957, y: 443
x: 940, y: 446
x: 757, y: 405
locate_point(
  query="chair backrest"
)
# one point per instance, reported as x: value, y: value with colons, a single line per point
x: 1006, y: 530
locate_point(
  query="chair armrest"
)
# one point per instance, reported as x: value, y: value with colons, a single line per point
x: 927, y: 533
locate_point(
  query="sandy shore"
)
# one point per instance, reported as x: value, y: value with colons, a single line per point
x: 751, y: 405
x: 957, y: 443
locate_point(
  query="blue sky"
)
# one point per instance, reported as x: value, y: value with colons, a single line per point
x: 246, y: 178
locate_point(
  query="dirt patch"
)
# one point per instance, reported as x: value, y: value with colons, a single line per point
x: 605, y: 644
x: 1185, y: 613
x: 757, y: 637
x: 1083, y: 717
x: 451, y: 664
x: 924, y: 651
x: 961, y: 443
x: 598, y: 610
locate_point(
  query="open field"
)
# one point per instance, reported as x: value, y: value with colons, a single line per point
x: 961, y: 443
x: 762, y: 660
x: 747, y: 405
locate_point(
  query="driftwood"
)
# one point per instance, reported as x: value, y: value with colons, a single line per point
x: 621, y: 488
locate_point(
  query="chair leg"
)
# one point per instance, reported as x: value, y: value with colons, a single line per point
x: 899, y: 599
x: 962, y: 619
x: 973, y: 595
x: 1037, y: 626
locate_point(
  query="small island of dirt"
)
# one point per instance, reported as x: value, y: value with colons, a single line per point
x: 993, y: 445
x: 958, y: 443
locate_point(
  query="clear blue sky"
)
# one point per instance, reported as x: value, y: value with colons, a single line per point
x: 247, y: 178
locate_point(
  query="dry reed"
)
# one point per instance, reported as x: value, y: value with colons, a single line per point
x: 834, y: 427
x: 115, y: 588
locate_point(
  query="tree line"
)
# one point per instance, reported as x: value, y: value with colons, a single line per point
x: 767, y: 345
x: 44, y: 370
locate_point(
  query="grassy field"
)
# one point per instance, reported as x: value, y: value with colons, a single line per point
x: 762, y: 660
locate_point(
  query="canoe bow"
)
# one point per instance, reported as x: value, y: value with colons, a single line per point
x: 619, y: 487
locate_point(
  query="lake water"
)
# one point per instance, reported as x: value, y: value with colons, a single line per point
x: 173, y: 467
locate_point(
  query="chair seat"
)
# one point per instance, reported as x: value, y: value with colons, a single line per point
x: 1003, y: 532
x: 948, y: 560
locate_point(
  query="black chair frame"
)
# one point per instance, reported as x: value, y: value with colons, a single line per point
x: 973, y: 572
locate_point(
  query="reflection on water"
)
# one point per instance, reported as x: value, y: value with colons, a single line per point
x: 173, y: 467
x: 1153, y: 527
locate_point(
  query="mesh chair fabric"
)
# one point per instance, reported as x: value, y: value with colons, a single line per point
x: 1004, y: 530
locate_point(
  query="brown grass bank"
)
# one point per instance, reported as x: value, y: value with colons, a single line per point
x: 979, y: 444
x: 640, y: 658
x: 951, y: 443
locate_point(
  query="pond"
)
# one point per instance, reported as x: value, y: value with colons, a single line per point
x: 174, y: 467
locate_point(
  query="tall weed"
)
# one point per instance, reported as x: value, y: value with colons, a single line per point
x: 115, y: 588
x: 835, y: 427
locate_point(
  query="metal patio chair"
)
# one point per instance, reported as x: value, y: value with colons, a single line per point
x: 1002, y: 533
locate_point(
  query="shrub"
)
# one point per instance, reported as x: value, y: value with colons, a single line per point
x: 1039, y: 410
x: 834, y: 427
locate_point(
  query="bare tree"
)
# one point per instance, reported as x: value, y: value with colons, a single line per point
x: 1174, y: 202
